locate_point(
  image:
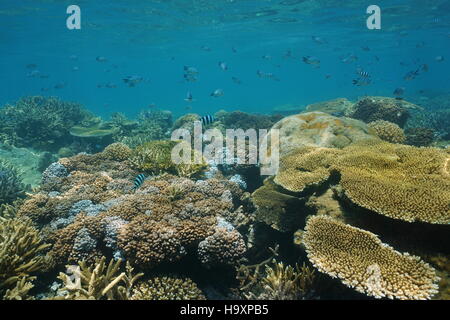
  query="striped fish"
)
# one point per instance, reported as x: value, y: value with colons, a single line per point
x: 139, y: 181
x: 208, y: 119
x: 363, y: 74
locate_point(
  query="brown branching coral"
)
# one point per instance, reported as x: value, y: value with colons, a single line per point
x: 388, y: 131
x: 21, y: 251
x: 167, y: 288
x: 117, y: 151
x: 361, y: 261
x: 285, y: 283
x: 98, y: 282
x: 21, y: 290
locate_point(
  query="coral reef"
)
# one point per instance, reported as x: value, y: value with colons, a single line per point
x: 11, y: 186
x: 245, y: 121
x: 361, y: 261
x: 167, y: 288
x: 40, y: 122
x: 388, y: 131
x: 117, y: 151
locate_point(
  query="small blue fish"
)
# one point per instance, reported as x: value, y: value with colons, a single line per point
x: 139, y: 181
x: 217, y: 93
x: 208, y: 119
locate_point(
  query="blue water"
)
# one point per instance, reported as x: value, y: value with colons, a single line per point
x: 155, y: 39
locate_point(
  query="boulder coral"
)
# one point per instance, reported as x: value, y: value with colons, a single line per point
x: 319, y: 129
x: 361, y: 261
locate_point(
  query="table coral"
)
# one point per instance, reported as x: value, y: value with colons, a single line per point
x: 361, y: 261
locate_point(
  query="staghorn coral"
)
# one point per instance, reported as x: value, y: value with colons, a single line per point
x: 21, y: 290
x: 98, y: 282
x: 388, y: 131
x: 284, y: 283
x: 21, y: 250
x: 117, y: 151
x: 167, y: 288
x: 11, y: 186
x: 361, y: 261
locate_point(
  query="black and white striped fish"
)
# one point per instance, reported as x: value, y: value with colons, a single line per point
x: 362, y: 73
x: 139, y: 181
x: 208, y: 119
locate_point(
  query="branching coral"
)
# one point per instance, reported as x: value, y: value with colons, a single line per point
x: 21, y: 251
x: 41, y: 122
x: 285, y: 283
x: 361, y: 261
x: 11, y: 186
x: 167, y: 288
x: 388, y: 131
x: 117, y: 151
x: 155, y: 157
x: 98, y: 282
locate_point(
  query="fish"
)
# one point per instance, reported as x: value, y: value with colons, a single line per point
x: 190, y: 70
x: 399, y: 92
x: 365, y: 48
x: 318, y: 40
x: 267, y: 75
x: 217, y: 93
x: 327, y: 76
x: 190, y: 78
x: 101, y: 59
x: 223, y: 66
x: 31, y: 66
x: 349, y: 58
x: 208, y: 119
x: 362, y: 82
x: 411, y: 75
x: 424, y: 68
x: 311, y: 60
x: 34, y: 74
x: 205, y: 48
x: 288, y: 54
x: 234, y: 49
x: 236, y: 80
x: 138, y: 181
x: 267, y: 57
x: 110, y: 85
x: 189, y: 97
x: 362, y: 73
x: 60, y: 85
x: 75, y: 68
x: 420, y: 44
x: 45, y: 89
x: 132, y: 81
x: 439, y: 58
x: 73, y: 57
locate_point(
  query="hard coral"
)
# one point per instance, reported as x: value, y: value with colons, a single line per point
x: 361, y: 261
x: 21, y: 251
x: 167, y: 288
x: 41, y: 122
x: 11, y: 186
x: 388, y: 131
x: 117, y: 151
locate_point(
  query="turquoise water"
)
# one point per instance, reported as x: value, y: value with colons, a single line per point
x: 155, y: 39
